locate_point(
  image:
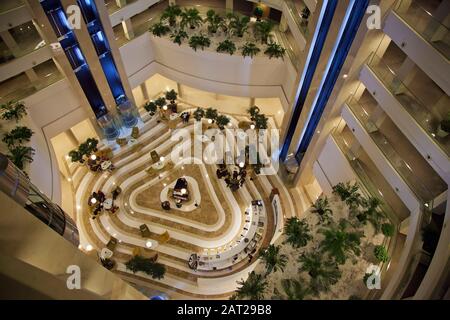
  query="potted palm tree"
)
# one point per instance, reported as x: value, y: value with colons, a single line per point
x: 200, y: 40
x: 263, y: 30
x: 258, y: 12
x: 178, y: 36
x: 172, y: 95
x: 295, y: 289
x: 323, y: 273
x: 253, y: 111
x: 339, y: 243
x: 381, y: 253
x: 222, y: 121
x: 199, y: 114
x: 171, y: 13
x: 76, y: 156
x: 240, y: 25
x: 226, y: 46
x: 13, y: 110
x: 297, y: 232
x: 159, y: 29
x: 18, y: 134
x: 348, y: 193
x: 273, y: 260
x: 211, y: 114
x: 151, y: 107
x: 249, y: 49
x: 213, y: 20
x: 371, y: 213
x: 253, y: 288
x: 261, y: 121
x: 160, y: 102
x: 191, y: 17
x: 19, y: 155
x: 322, y: 208
x: 274, y: 50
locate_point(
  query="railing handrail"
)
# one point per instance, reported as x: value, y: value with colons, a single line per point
x: 426, y: 12
x: 412, y: 186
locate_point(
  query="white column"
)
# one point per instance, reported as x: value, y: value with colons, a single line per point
x: 251, y: 102
x: 128, y: 29
x: 144, y: 91
x: 283, y: 24
x: 179, y: 90
x: 229, y: 5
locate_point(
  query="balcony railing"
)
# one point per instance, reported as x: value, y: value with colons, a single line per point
x: 7, y: 5
x: 411, y: 103
x: 30, y: 88
x: 401, y: 166
x: 423, y: 22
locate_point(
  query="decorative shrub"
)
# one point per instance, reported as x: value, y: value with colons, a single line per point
x: 171, y: 95
x: 388, y: 229
x: 178, y: 36
x: 222, y: 121
x: 191, y: 17
x: 18, y: 134
x: 19, y: 155
x: 381, y: 253
x: 159, y: 29
x: 151, y: 107
x: 153, y: 269
x: 170, y: 14
x: 275, y: 50
x: 199, y: 114
x: 199, y: 41
x: 13, y: 110
x: 250, y: 50
x: 226, y: 46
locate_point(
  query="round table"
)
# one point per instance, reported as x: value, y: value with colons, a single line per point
x: 105, y: 165
x: 108, y: 204
x: 158, y: 165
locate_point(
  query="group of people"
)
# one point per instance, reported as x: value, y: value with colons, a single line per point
x: 98, y: 202
x: 234, y: 180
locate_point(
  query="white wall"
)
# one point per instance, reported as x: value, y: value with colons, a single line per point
x: 208, y: 70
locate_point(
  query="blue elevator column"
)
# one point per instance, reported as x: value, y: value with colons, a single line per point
x: 69, y: 43
x: 127, y: 110
x: 349, y: 27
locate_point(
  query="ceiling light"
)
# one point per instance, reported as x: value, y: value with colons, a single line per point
x: 89, y: 247
x: 148, y: 244
x: 93, y: 157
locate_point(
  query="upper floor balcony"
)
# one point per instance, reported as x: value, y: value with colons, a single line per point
x: 421, y: 29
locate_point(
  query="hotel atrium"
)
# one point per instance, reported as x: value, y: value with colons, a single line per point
x: 225, y: 149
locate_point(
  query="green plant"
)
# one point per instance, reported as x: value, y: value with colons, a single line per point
x: 159, y: 29
x: 178, y: 36
x: 226, y: 46
x: 263, y: 30
x: 199, y: 114
x: 171, y: 13
x: 297, y: 232
x: 322, y: 208
x: 222, y: 121
x: 388, y: 229
x: 13, y: 110
x: 273, y: 260
x: 348, y: 193
x: 258, y: 12
x: 274, y: 50
x: 190, y: 17
x: 261, y: 121
x: 76, y: 156
x: 339, y: 243
x: 253, y: 288
x: 381, y: 253
x: 294, y: 289
x: 139, y: 263
x: 253, y: 112
x: 19, y: 155
x: 370, y: 212
x: 249, y: 49
x: 151, y: 107
x: 20, y: 134
x: 199, y: 41
x: 239, y: 25
x: 323, y: 273
x: 213, y: 20
x: 226, y: 24
x: 161, y: 102
x: 88, y: 147
x: 171, y: 95
x: 211, y: 113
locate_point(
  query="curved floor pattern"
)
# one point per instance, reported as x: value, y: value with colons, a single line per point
x: 214, y: 228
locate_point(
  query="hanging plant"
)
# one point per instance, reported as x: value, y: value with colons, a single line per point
x: 159, y: 29
x: 19, y: 155
x: 249, y: 49
x: 18, y: 134
x: 226, y: 46
x: 13, y: 110
x: 178, y: 36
